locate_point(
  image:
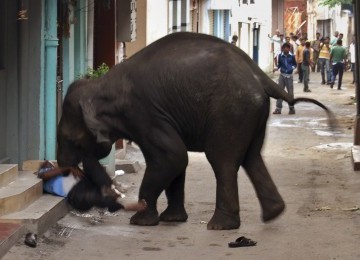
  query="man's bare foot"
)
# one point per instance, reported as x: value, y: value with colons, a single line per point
x: 140, y: 206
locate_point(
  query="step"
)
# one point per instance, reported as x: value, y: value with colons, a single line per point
x: 40, y: 215
x: 8, y: 173
x: 18, y: 194
x: 10, y: 234
x: 33, y: 165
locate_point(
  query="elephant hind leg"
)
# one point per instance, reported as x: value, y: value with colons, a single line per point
x: 270, y: 199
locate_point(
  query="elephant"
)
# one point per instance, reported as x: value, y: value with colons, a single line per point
x: 183, y: 92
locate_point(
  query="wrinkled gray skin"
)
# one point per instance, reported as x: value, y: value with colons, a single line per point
x: 185, y: 92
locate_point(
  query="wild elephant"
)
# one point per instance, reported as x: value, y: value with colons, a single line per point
x: 184, y: 92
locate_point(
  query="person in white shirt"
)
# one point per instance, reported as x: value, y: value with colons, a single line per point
x: 352, y: 57
x: 278, y: 41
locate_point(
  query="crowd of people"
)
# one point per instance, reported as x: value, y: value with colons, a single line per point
x: 323, y: 54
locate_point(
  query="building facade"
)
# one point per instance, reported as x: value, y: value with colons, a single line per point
x: 46, y: 45
x: 327, y: 20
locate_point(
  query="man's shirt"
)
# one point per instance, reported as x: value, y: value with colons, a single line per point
x: 306, y: 56
x: 338, y: 54
x: 286, y: 63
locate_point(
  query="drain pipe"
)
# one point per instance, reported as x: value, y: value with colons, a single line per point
x: 51, y: 43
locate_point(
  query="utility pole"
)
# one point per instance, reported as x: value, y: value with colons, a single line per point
x: 356, y: 147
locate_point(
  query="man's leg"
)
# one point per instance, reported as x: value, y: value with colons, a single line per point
x: 290, y: 89
x: 328, y: 71
x: 301, y: 75
x: 322, y: 70
x: 316, y: 61
x: 341, y: 72
x: 335, y: 70
x: 279, y: 101
x: 306, y: 78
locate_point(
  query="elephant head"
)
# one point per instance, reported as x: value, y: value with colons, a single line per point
x: 80, y: 133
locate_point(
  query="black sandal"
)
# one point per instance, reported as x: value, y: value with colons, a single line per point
x: 242, y: 242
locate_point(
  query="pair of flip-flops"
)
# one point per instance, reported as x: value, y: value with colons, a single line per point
x: 242, y: 242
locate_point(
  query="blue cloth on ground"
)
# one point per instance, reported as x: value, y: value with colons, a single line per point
x: 59, y: 185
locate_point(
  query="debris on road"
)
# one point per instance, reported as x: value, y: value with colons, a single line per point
x: 242, y: 242
x: 323, y: 208
x: 355, y: 208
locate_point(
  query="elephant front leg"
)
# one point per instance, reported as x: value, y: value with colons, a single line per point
x: 176, y: 199
x: 150, y: 190
x: 154, y: 182
x: 98, y: 176
x: 166, y: 164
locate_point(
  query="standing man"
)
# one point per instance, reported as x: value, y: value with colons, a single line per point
x: 286, y: 64
x: 293, y: 39
x: 306, y: 66
x: 334, y: 39
x: 337, y: 58
x: 299, y: 59
x: 315, y: 45
x: 324, y: 61
x: 288, y: 40
x: 277, y: 47
x: 352, y: 57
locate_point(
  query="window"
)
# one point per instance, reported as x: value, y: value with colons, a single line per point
x: 244, y: 1
x: 252, y: 1
x: 178, y: 15
x: 220, y: 23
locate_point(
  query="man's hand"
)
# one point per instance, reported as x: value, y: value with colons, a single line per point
x: 276, y: 69
x: 77, y: 172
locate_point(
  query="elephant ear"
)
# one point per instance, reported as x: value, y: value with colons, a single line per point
x: 92, y: 123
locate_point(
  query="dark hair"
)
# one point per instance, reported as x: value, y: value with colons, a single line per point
x: 307, y: 44
x: 339, y: 42
x: 286, y: 45
x: 235, y: 38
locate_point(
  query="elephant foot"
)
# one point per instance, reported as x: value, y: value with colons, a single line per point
x: 270, y: 213
x: 224, y: 221
x: 174, y: 214
x: 145, y: 218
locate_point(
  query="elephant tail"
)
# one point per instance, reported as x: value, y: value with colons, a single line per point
x: 273, y: 90
x: 330, y: 115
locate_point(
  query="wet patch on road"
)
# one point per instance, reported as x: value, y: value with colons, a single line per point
x: 147, y: 248
x: 319, y: 125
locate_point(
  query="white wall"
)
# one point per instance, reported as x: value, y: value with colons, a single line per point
x: 157, y: 20
x: 260, y: 12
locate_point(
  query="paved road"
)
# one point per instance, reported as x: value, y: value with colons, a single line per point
x: 311, y: 167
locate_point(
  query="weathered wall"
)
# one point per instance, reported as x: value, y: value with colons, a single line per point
x: 141, y: 17
x: 295, y: 13
x: 9, y: 86
x: 20, y: 84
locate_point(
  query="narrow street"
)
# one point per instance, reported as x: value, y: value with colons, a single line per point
x: 310, y: 165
